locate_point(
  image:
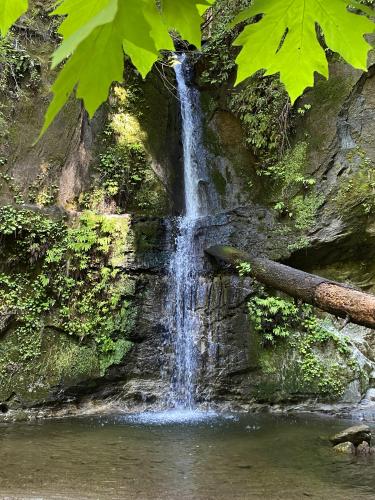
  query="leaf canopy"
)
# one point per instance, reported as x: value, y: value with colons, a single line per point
x: 97, y: 32
x: 285, y: 40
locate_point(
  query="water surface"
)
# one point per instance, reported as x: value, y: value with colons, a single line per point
x: 196, y: 457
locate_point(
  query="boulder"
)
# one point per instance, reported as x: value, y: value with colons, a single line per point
x: 346, y: 448
x: 356, y: 435
x: 364, y: 449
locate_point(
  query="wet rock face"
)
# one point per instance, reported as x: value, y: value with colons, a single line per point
x: 342, y: 160
x: 225, y: 344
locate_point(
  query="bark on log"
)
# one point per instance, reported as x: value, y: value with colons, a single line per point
x: 336, y: 298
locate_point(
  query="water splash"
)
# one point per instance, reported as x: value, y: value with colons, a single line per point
x: 175, y: 416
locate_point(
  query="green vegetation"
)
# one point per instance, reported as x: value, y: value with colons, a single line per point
x: 274, y: 42
x: 219, y: 64
x: 261, y: 103
x: 17, y: 68
x: 263, y: 109
x: 61, y: 277
x: 293, y: 193
x: 42, y: 192
x: 68, y: 307
x: 125, y: 180
x: 284, y: 323
x: 357, y: 191
x: 244, y: 269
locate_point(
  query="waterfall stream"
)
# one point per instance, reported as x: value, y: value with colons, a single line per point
x: 183, y: 270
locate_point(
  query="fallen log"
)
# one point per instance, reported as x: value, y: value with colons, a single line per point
x: 336, y: 298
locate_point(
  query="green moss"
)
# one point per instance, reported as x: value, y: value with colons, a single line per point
x: 293, y: 193
x: 267, y: 362
x: 147, y: 235
x: 123, y: 243
x: 331, y: 91
x: 357, y: 190
x: 326, y: 100
x: 219, y: 181
x: 59, y: 360
x: 121, y: 347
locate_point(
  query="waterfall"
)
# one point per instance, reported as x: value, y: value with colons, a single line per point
x: 183, y: 270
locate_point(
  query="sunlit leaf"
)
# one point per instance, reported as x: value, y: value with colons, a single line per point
x: 285, y: 40
x: 91, y: 76
x: 82, y: 17
x: 10, y: 11
x: 185, y: 16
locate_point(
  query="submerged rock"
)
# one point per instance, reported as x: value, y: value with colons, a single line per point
x: 347, y: 448
x: 356, y: 435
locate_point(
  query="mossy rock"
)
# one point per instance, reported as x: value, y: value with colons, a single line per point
x: 52, y: 360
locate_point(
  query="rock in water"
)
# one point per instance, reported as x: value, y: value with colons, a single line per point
x: 364, y: 448
x: 356, y: 435
x: 347, y: 448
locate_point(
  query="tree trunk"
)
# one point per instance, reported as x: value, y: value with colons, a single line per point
x: 335, y: 298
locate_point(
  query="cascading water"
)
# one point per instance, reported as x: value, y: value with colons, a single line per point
x: 183, y: 269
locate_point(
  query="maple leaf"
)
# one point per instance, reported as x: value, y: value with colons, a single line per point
x: 285, y: 40
x: 10, y: 11
x: 94, y: 65
x: 82, y: 17
x: 185, y: 16
x: 97, y: 32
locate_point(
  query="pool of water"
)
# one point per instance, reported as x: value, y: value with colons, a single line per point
x: 180, y: 456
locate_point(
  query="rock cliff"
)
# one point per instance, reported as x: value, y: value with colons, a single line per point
x: 87, y: 227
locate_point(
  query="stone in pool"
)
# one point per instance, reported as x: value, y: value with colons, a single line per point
x: 365, y: 449
x: 347, y: 448
x: 356, y: 435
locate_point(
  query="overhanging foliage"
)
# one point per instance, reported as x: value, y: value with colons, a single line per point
x: 284, y: 37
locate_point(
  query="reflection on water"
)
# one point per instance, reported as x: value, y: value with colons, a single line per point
x: 212, y: 458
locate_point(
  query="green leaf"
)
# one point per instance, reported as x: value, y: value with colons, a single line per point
x: 202, y: 6
x: 91, y: 76
x: 285, y: 40
x: 185, y: 16
x: 82, y: 17
x: 106, y: 28
x: 364, y: 8
x: 144, y: 34
x: 10, y: 11
x: 159, y: 32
